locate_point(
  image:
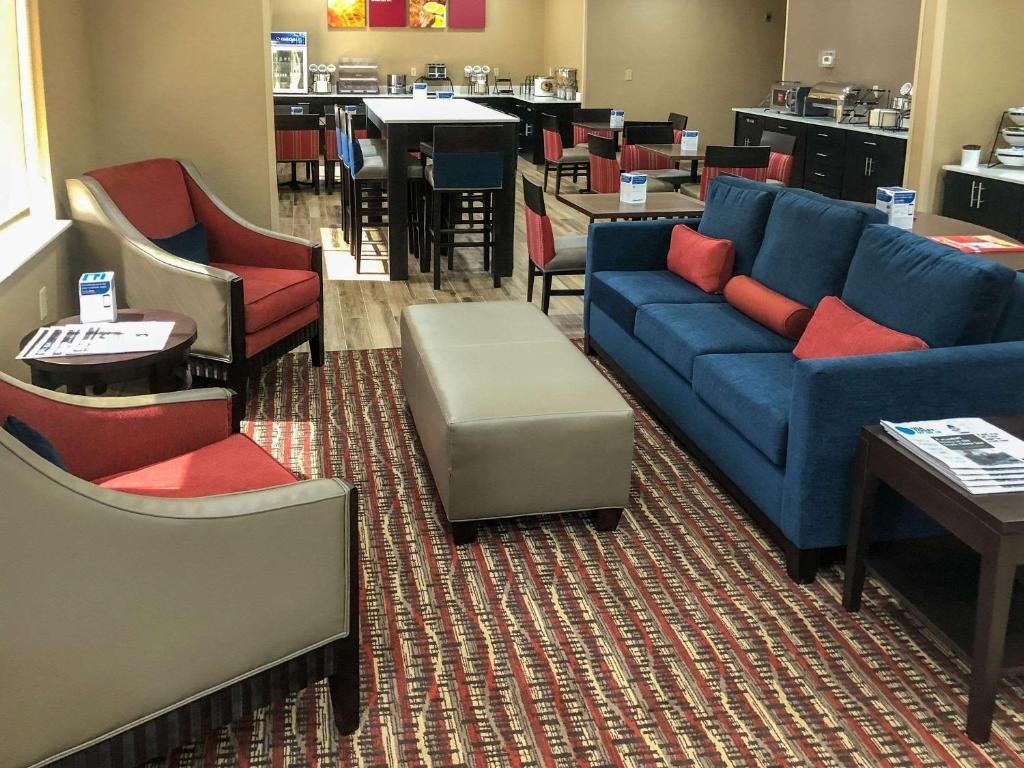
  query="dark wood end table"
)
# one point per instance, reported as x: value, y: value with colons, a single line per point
x: 166, y: 370
x: 990, y: 525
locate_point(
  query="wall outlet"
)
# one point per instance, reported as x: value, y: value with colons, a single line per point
x: 629, y: 75
x: 414, y: 72
x: 44, y: 305
x: 497, y: 72
x: 826, y: 59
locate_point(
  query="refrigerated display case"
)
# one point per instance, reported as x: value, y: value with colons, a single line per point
x: 289, y: 62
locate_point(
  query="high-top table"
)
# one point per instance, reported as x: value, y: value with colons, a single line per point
x: 404, y: 123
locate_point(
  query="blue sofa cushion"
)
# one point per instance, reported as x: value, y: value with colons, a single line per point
x: 808, y: 246
x: 752, y: 393
x: 620, y: 294
x: 680, y: 333
x: 737, y: 209
x: 1011, y: 324
x: 914, y: 285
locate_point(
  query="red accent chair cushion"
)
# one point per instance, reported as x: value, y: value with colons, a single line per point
x: 151, y: 194
x: 272, y: 294
x: 605, y: 176
x: 780, y: 167
x: 263, y: 338
x: 581, y: 135
x: 633, y: 158
x: 701, y: 260
x: 836, y: 330
x: 231, y: 465
x: 540, y: 240
x: 772, y: 310
x: 553, y: 149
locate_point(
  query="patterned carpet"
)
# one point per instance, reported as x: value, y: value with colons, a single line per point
x: 677, y: 640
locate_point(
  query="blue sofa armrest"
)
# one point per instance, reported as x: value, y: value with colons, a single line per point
x: 834, y: 398
x: 628, y: 245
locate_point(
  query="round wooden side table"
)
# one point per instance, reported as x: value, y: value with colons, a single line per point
x: 165, y: 370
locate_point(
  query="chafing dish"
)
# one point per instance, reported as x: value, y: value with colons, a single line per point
x: 834, y: 101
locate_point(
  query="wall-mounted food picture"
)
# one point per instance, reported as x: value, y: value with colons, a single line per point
x: 428, y: 14
x: 346, y: 14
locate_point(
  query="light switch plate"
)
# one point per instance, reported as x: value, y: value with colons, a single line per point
x: 413, y: 72
x: 827, y: 58
x: 629, y: 75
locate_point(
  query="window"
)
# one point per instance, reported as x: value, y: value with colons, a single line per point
x: 14, y: 180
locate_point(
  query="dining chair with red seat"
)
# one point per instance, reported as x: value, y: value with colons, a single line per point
x: 749, y: 162
x: 297, y: 139
x: 549, y: 256
x: 632, y: 157
x: 780, y: 162
x: 258, y: 295
x: 565, y: 162
x: 581, y: 134
x: 679, y: 123
x: 605, y: 172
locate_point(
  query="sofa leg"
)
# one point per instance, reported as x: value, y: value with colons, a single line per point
x: 464, y: 532
x: 607, y: 519
x: 316, y: 349
x: 802, y: 564
x: 587, y: 349
x: 344, y: 687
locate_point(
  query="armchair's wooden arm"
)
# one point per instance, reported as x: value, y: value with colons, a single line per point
x: 142, y: 604
x: 100, y: 436
x: 233, y: 240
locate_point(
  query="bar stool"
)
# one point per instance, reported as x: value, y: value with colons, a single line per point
x: 297, y: 140
x: 605, y: 172
x: 572, y: 161
x: 467, y: 159
x: 749, y: 162
x: 550, y: 256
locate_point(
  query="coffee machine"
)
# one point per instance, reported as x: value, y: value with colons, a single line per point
x: 322, y: 76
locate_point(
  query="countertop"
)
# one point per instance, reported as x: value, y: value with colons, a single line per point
x: 459, y: 94
x: 1001, y: 173
x: 859, y: 128
x: 434, y: 111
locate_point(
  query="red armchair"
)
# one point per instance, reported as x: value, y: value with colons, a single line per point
x: 260, y: 297
x: 135, y: 622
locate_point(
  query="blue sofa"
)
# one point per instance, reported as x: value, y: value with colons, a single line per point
x: 778, y: 431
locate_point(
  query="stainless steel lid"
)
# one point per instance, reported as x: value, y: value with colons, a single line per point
x: 828, y: 89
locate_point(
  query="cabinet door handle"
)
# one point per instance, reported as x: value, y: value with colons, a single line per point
x: 871, y: 166
x: 871, y: 143
x: 865, y: 166
x: 825, y: 135
x: 821, y: 154
x: 970, y: 202
x: 981, y: 188
x: 822, y: 175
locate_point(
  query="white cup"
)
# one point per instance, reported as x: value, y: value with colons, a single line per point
x: 970, y: 156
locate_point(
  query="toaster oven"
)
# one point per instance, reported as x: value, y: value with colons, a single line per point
x: 787, y: 96
x: 832, y: 101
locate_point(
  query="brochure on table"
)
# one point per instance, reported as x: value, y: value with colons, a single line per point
x: 97, y: 339
x: 973, y: 453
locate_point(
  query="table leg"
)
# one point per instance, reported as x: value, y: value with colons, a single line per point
x: 505, y: 209
x: 995, y: 589
x: 398, y: 202
x: 862, y: 513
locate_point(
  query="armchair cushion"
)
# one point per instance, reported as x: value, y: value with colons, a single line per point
x: 151, y: 194
x: 34, y: 440
x: 231, y: 465
x: 273, y: 294
x: 188, y: 244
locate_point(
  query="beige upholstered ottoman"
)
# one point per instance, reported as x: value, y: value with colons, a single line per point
x: 513, y: 418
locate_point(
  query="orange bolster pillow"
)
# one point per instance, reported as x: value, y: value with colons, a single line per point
x: 771, y: 309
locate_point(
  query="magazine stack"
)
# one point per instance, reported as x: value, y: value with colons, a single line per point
x: 976, y: 455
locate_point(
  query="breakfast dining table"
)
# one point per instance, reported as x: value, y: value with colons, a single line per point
x: 601, y: 126
x: 676, y: 153
x: 405, y: 124
x: 608, y: 206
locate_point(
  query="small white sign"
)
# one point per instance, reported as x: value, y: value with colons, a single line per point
x: 419, y: 90
x: 97, y: 299
x: 690, y: 141
x: 617, y: 118
x: 899, y: 204
x: 633, y: 188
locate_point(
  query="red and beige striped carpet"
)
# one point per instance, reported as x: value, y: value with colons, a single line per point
x: 677, y: 640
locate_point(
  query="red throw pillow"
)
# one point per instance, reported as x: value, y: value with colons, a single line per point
x: 701, y: 260
x: 771, y: 309
x: 838, y: 331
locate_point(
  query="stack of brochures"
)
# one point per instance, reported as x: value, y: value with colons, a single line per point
x: 976, y: 455
x: 97, y: 339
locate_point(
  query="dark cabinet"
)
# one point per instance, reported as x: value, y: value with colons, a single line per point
x: 748, y: 130
x: 991, y: 203
x: 871, y: 162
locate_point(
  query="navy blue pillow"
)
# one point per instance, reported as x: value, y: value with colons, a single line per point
x: 32, y: 439
x: 188, y: 244
x: 737, y: 209
x: 914, y: 285
x: 808, y: 246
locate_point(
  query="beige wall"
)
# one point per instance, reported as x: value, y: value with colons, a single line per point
x: 19, y: 300
x: 967, y: 77
x: 512, y: 41
x: 698, y: 57
x: 875, y: 40
x: 564, y: 23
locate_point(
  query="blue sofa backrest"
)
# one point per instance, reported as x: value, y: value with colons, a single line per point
x: 737, y: 209
x: 914, y: 285
x: 809, y: 242
x: 1011, y: 325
